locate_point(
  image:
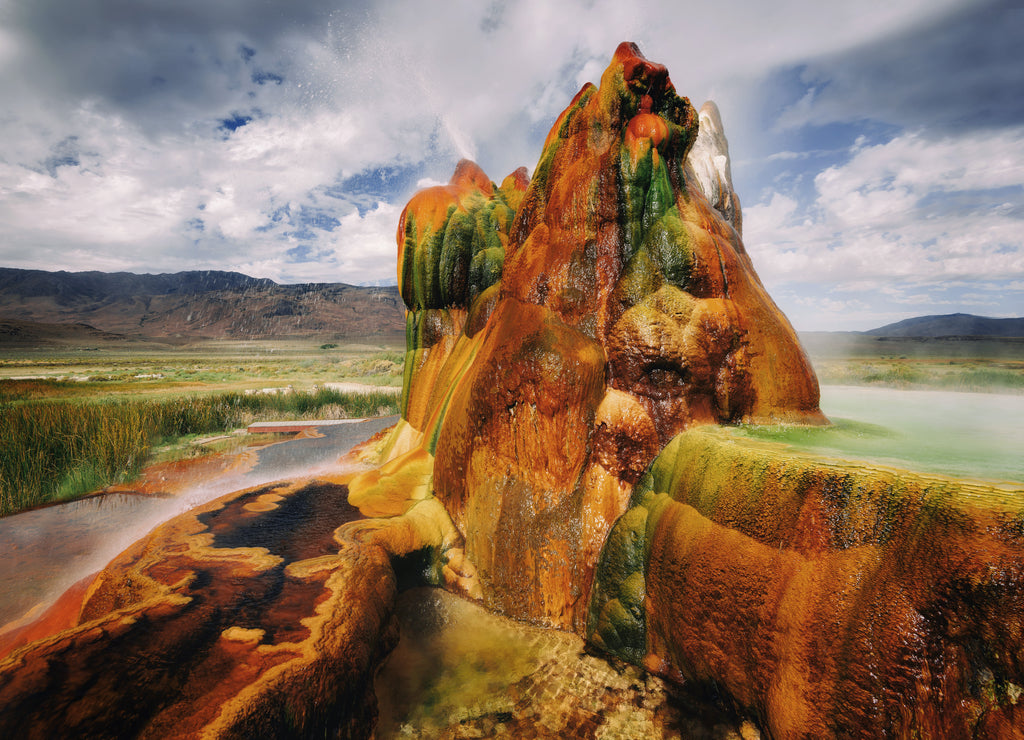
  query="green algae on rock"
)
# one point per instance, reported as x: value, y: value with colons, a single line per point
x: 827, y: 598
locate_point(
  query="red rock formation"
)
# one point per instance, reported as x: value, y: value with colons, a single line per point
x: 627, y: 310
x: 831, y: 600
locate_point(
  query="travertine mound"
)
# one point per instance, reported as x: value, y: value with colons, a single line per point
x: 552, y: 353
x: 583, y: 388
x: 828, y: 599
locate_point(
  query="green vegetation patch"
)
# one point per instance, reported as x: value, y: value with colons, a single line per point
x: 985, y: 365
x: 57, y: 450
x: 907, y: 373
x: 208, y: 366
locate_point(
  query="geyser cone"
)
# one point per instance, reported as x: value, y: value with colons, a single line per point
x: 617, y: 287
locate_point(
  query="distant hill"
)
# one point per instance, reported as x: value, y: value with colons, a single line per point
x: 194, y: 305
x: 34, y: 333
x: 952, y: 325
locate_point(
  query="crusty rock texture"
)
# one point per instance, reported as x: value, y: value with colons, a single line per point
x: 561, y: 331
x: 830, y: 600
x: 230, y: 621
x: 564, y: 414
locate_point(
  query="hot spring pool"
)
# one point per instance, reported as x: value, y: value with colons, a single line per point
x: 965, y: 435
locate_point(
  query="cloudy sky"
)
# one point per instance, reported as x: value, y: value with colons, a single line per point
x: 877, y: 146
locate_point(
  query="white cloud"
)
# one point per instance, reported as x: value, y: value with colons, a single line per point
x: 912, y: 164
x: 148, y: 181
x: 913, y: 208
x: 366, y: 243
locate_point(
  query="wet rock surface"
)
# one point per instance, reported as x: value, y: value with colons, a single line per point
x: 44, y: 551
x: 249, y: 616
x: 829, y: 599
x: 623, y: 309
x: 558, y: 417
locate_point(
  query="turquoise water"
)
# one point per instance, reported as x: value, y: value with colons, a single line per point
x: 966, y: 435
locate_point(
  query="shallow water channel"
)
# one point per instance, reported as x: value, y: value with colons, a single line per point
x: 45, y: 551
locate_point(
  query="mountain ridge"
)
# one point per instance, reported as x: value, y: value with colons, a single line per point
x: 198, y: 304
x: 215, y: 304
x: 951, y: 325
x: 33, y: 283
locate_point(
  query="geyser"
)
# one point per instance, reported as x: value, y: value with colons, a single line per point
x: 571, y: 394
x: 552, y: 354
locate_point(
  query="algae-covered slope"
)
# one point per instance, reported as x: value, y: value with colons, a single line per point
x: 831, y: 599
x: 552, y: 353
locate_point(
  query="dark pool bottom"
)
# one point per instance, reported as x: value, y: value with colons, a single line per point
x: 459, y: 672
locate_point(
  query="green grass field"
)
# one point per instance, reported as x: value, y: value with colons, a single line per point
x: 75, y: 420
x: 953, y: 364
x: 151, y: 368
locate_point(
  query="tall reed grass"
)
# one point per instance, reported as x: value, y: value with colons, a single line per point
x: 57, y: 450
